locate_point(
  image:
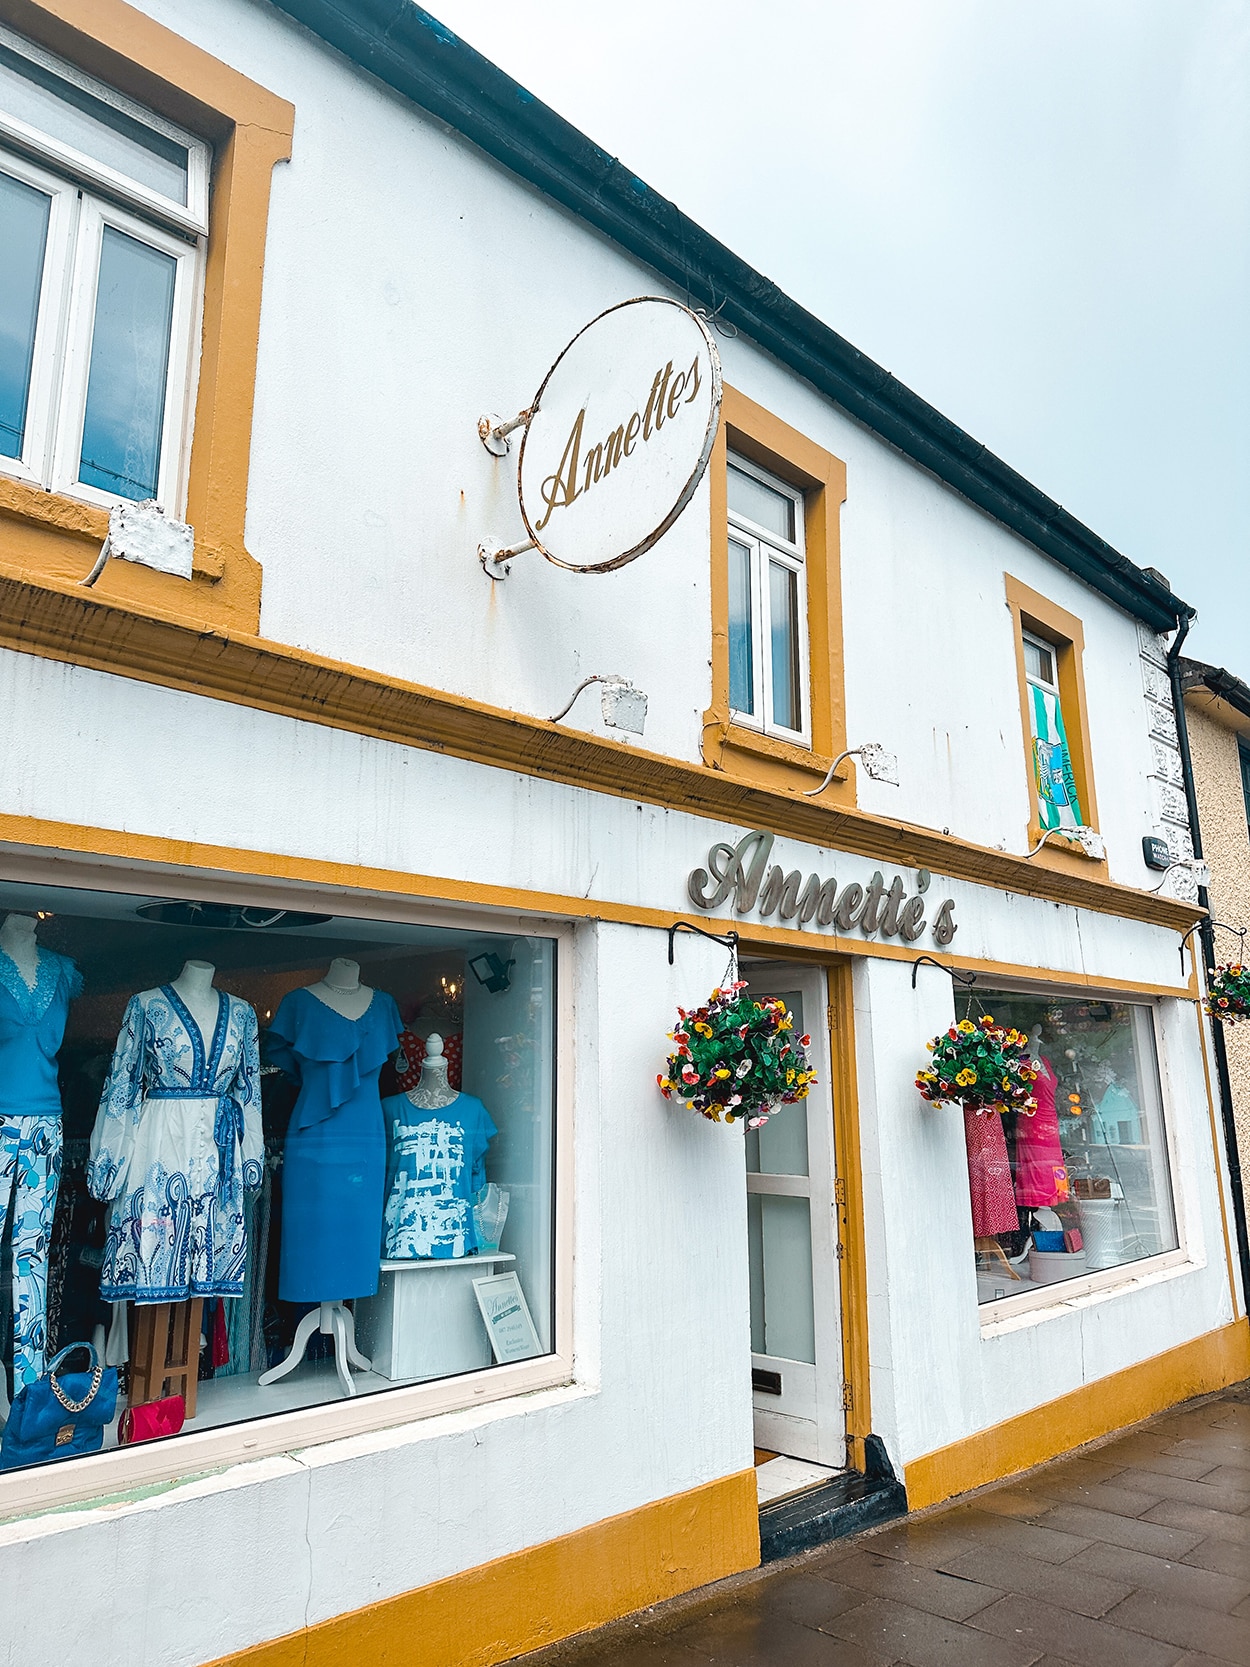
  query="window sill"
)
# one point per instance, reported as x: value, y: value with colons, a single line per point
x: 1033, y: 1307
x: 773, y: 763
x: 1065, y: 857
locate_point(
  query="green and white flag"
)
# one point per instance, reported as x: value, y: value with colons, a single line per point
x: 1057, y: 802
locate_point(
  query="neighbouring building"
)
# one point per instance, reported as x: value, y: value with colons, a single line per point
x: 338, y: 909
x: 1217, y: 713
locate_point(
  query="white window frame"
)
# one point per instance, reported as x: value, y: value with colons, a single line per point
x: 45, y: 1487
x: 1036, y: 1306
x: 1051, y: 688
x: 86, y: 197
x: 767, y: 547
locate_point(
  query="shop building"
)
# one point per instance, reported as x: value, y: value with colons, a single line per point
x: 904, y: 719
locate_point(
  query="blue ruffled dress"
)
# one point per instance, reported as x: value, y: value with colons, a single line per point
x: 334, y: 1164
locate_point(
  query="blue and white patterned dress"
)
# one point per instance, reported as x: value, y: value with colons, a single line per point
x: 177, y: 1139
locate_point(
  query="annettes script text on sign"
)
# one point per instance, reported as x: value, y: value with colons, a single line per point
x: 743, y: 872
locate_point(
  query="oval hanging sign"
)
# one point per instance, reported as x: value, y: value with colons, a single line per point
x: 619, y: 434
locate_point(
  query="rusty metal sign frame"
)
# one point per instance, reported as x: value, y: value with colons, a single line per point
x: 494, y: 436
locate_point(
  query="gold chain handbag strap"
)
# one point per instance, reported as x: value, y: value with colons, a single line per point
x: 78, y: 1406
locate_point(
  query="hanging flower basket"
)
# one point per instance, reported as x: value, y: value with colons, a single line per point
x: 1228, y: 993
x: 981, y: 1065
x: 737, y: 1058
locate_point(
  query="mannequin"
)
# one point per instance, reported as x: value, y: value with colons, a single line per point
x: 17, y: 940
x: 194, y: 985
x: 342, y: 990
x: 438, y: 1165
x: 333, y: 1037
x: 36, y: 988
x: 433, y: 1091
x: 176, y: 1141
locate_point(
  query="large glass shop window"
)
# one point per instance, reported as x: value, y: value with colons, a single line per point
x: 1082, y: 1184
x: 254, y: 1159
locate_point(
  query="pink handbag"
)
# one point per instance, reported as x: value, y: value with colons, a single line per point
x: 151, y: 1420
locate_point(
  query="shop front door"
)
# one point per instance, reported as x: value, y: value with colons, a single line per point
x: 796, y: 1331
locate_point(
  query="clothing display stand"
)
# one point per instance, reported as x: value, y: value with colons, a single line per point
x: 165, y: 1352
x: 331, y: 1319
x: 989, y: 1246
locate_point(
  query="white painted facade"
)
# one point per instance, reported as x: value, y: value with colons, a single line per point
x: 411, y: 285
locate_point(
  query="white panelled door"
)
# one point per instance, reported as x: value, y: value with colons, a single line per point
x: 796, y: 1330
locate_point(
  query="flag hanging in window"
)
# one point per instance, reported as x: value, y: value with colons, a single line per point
x: 1057, y: 803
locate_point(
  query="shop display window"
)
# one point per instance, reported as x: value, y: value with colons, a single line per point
x: 254, y: 1159
x: 1082, y: 1185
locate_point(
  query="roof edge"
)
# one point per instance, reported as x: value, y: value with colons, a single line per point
x: 1197, y: 674
x: 420, y: 58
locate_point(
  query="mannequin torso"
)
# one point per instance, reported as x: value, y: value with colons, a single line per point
x: 17, y: 940
x: 342, y: 991
x: 433, y: 1091
x: 194, y: 985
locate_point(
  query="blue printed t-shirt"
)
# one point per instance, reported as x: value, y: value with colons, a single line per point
x: 437, y: 1168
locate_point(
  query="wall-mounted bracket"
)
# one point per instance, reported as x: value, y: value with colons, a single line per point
x: 493, y: 432
x: 495, y: 556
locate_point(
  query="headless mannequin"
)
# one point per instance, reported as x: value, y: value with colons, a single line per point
x: 433, y: 1091
x: 194, y: 985
x: 1035, y: 1044
x: 17, y: 940
x: 342, y: 991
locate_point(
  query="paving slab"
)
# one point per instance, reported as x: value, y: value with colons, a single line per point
x: 1135, y: 1553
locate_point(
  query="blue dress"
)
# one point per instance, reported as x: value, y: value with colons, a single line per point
x: 334, y: 1164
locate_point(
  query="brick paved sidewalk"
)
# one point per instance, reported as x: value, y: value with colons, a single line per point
x: 1132, y: 1554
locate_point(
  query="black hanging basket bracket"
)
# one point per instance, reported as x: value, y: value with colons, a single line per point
x: 1239, y: 932
x: 729, y: 939
x: 967, y: 979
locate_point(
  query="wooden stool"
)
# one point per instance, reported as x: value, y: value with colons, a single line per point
x: 165, y: 1352
x: 989, y: 1246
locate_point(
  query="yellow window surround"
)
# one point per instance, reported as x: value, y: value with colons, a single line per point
x: 1036, y: 614
x: 757, y: 434
x: 49, y: 537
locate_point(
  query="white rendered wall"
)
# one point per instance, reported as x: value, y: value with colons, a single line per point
x: 936, y: 1375
x: 412, y: 284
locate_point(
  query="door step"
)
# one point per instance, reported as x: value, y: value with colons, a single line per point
x: 846, y: 1503
x: 780, y: 1477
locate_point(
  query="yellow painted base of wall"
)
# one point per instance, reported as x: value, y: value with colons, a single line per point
x: 1096, y: 1409
x: 535, y: 1597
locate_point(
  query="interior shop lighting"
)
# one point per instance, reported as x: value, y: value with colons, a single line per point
x: 878, y: 763
x: 493, y: 972
x: 1090, y: 841
x: 623, y: 706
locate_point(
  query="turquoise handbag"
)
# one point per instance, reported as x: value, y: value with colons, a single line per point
x: 62, y: 1413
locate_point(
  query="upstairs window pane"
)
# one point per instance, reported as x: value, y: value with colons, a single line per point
x: 741, y: 628
x: 74, y: 117
x: 121, y: 440
x: 756, y: 502
x: 23, y: 238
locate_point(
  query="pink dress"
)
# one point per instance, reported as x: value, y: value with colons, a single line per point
x: 989, y: 1174
x: 1041, y: 1174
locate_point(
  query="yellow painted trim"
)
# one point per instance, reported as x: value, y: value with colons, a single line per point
x: 51, y: 538
x: 27, y: 836
x: 756, y: 433
x: 1200, y: 1367
x: 1031, y: 611
x: 538, y: 1596
x: 849, y: 1170
x: 69, y: 625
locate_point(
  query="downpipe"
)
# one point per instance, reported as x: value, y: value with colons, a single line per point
x: 1206, y: 934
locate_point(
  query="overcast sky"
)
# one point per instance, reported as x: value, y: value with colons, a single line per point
x: 1036, y: 213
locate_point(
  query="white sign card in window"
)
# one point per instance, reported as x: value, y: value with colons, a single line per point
x: 507, y: 1317
x: 616, y: 440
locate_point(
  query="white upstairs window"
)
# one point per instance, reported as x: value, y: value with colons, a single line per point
x: 768, y: 650
x: 103, y: 227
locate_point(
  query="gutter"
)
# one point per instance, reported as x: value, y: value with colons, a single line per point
x: 1206, y: 933
x: 418, y: 57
